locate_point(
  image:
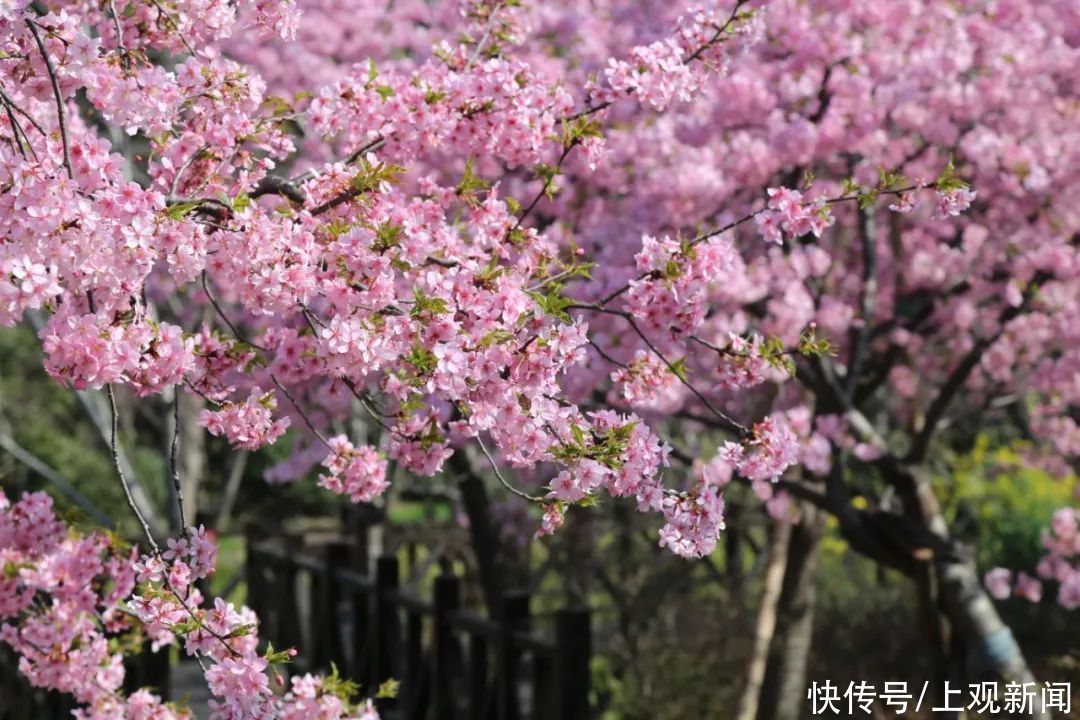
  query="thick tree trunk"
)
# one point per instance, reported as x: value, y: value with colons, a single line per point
x: 783, y: 694
x: 936, y: 628
x: 975, y: 629
x: 989, y: 648
x: 779, y: 541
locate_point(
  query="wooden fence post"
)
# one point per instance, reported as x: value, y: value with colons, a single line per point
x: 415, y: 684
x: 573, y: 642
x: 386, y: 635
x: 514, y: 617
x: 285, y: 576
x: 445, y: 662
x: 357, y: 521
x: 156, y: 670
x: 331, y: 647
x: 479, y: 702
x: 360, y: 668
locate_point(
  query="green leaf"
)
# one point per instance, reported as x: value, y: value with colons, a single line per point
x: 948, y: 180
x: 497, y: 336
x: 425, y: 305
x: 422, y: 360
x: 387, y: 236
x: 178, y: 211
x: 433, y: 96
x: 553, y: 302
x: 275, y: 658
x: 471, y: 185
x: 388, y: 689
x: 679, y: 368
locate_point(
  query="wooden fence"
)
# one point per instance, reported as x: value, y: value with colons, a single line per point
x: 452, y: 663
x: 20, y: 701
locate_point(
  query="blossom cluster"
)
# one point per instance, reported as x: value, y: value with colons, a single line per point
x: 789, y: 213
x: 672, y: 70
x: 469, y: 238
x: 357, y: 472
x: 248, y: 425
x: 69, y: 602
x: 359, y: 275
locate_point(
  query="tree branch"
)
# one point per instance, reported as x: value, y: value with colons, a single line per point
x: 123, y: 477
x: 56, y: 93
x: 860, y: 335
x: 960, y: 374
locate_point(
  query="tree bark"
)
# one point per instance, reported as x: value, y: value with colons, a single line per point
x: 765, y: 625
x: 783, y: 694
x: 989, y: 647
x: 976, y: 631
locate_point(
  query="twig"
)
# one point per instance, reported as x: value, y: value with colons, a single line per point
x: 56, y: 92
x: 176, y: 25
x: 355, y: 155
x: 719, y: 34
x: 745, y: 219
x: 303, y: 415
x: 16, y: 131
x: 173, y: 466
x: 502, y: 480
x: 732, y: 423
x: 600, y: 351
x: 174, y: 187
x: 484, y: 38
x: 30, y: 118
x: 221, y: 313
x: 119, y: 34
x: 548, y: 182
x: 120, y: 471
x: 860, y: 335
x: 593, y: 109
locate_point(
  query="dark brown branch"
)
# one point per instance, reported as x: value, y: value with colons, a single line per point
x: 548, y: 182
x: 860, y: 333
x: 733, y: 425
x: 221, y: 313
x: 56, y: 93
x: 174, y: 467
x: 960, y: 374
x: 114, y: 447
x: 307, y: 421
x: 14, y: 106
x: 745, y: 219
x: 274, y: 185
x: 337, y: 200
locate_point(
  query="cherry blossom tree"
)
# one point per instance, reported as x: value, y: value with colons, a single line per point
x: 572, y: 240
